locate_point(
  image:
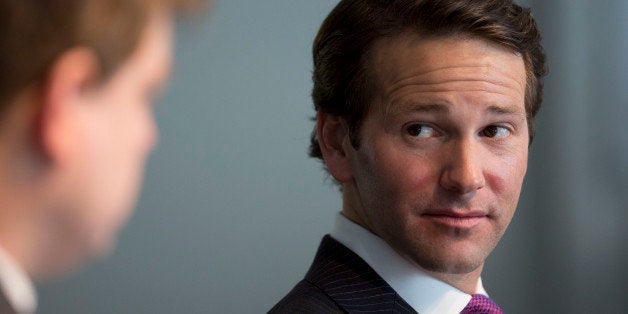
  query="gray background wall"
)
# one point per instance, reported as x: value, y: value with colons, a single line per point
x: 233, y: 210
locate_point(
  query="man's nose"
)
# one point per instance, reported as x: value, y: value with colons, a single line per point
x: 463, y: 171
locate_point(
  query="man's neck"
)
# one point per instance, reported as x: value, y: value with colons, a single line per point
x: 24, y: 234
x: 467, y: 282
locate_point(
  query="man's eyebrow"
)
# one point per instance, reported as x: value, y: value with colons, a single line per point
x: 393, y: 110
x: 506, y: 110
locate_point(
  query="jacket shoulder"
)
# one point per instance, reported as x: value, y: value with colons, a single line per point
x: 306, y: 298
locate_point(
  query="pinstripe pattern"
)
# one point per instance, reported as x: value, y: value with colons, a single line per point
x: 339, y: 281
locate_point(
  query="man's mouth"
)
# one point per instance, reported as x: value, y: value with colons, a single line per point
x: 455, y: 218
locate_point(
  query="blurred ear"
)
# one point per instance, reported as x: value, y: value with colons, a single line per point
x: 63, y: 96
x: 333, y: 136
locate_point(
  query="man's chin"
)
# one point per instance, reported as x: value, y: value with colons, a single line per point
x: 90, y: 251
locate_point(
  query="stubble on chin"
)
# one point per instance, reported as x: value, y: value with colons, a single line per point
x: 436, y: 256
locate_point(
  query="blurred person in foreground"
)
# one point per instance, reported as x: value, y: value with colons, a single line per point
x: 425, y: 113
x: 77, y: 79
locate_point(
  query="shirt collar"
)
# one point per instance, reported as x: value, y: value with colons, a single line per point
x: 18, y: 288
x: 422, y: 292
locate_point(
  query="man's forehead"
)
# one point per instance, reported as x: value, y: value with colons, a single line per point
x: 410, y: 63
x: 414, y: 54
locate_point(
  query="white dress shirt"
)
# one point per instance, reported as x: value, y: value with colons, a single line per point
x: 16, y: 286
x: 423, y: 293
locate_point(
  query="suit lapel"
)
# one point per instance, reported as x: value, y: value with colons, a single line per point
x: 351, y: 282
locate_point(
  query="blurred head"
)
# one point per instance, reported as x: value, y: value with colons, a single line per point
x: 76, y: 95
x: 34, y: 34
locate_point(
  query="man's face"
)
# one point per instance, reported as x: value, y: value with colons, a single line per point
x: 443, y: 151
x: 119, y: 134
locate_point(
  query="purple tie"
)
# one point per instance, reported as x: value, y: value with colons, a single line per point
x: 481, y: 304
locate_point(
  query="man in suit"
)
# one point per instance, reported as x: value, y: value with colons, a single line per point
x: 425, y: 112
x: 77, y: 79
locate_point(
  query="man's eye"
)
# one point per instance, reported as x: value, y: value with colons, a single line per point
x: 421, y: 130
x: 495, y: 131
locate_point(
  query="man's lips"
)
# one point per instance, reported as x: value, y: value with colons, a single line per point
x: 456, y: 219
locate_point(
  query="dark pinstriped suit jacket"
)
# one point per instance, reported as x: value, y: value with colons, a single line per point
x: 339, y: 281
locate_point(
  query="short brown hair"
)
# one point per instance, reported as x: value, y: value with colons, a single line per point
x: 343, y: 78
x: 34, y: 33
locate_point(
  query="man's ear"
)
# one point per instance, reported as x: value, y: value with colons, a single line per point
x: 63, y: 94
x: 333, y: 137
